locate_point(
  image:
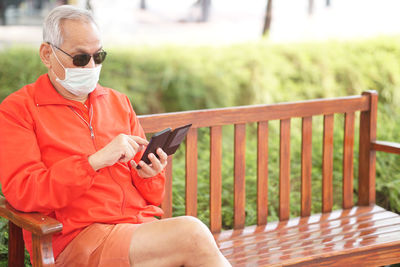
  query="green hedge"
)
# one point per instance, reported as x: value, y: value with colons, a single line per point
x: 163, y: 79
x: 159, y: 79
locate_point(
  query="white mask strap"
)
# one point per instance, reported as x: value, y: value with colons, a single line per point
x: 56, y: 57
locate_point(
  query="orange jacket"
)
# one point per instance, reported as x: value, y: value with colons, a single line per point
x: 44, y: 164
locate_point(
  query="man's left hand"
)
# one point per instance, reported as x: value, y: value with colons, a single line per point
x: 155, y: 167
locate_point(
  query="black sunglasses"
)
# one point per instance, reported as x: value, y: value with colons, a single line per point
x: 83, y: 59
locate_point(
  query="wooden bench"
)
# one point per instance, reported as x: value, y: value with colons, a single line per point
x: 353, y: 235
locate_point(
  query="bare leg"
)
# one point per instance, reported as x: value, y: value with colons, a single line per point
x: 181, y: 241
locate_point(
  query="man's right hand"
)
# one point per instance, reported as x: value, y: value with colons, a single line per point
x: 122, y: 148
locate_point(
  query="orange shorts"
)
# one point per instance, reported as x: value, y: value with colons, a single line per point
x: 99, y: 245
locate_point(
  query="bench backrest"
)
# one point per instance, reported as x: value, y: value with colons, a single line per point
x: 366, y: 104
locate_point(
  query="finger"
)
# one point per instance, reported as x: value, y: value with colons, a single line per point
x: 139, y: 140
x: 128, y: 154
x: 145, y: 170
x: 133, y: 164
x: 155, y: 163
x: 131, y: 153
x: 163, y: 156
x: 133, y: 144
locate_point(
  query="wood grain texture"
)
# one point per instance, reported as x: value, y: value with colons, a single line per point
x: 191, y: 172
x: 254, y: 113
x: 42, y: 251
x: 348, y: 159
x: 327, y: 218
x: 262, y: 173
x: 384, y: 146
x: 43, y: 227
x: 166, y: 204
x: 306, y: 166
x: 239, y: 176
x: 16, y: 248
x: 327, y: 164
x: 215, y: 178
x: 284, y: 170
x: 367, y: 156
x: 372, y: 257
x: 341, y: 235
x: 34, y: 222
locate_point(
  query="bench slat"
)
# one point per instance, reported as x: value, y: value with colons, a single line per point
x: 262, y: 173
x: 239, y: 173
x: 191, y: 172
x: 367, y: 157
x: 306, y: 166
x: 284, y: 170
x: 255, y: 113
x: 215, y: 178
x: 348, y: 165
x: 327, y: 164
x: 384, y: 146
x: 166, y: 204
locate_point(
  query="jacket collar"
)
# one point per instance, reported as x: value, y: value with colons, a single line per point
x: 46, y: 94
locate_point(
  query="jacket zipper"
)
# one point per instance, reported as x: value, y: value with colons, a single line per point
x: 89, y: 124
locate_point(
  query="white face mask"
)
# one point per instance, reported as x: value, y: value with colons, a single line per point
x: 79, y: 81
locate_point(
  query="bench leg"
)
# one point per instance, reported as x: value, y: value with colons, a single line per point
x: 16, y: 249
x: 42, y: 251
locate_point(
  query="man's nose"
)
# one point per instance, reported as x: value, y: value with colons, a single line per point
x: 91, y: 63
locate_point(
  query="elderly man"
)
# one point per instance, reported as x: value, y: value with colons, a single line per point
x: 69, y: 148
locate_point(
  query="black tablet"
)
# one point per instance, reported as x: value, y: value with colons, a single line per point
x: 167, y: 140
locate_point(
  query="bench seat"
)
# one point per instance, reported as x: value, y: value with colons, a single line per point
x: 322, y: 239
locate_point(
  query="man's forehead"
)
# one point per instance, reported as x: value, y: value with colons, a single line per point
x: 80, y: 35
x: 77, y: 24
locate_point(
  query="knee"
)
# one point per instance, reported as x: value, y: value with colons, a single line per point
x: 192, y: 226
x: 195, y: 232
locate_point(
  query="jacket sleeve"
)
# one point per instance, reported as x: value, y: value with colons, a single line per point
x: 152, y: 189
x: 27, y: 183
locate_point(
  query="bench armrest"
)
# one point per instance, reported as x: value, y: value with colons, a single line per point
x: 34, y: 222
x: 384, y: 146
x: 42, y: 228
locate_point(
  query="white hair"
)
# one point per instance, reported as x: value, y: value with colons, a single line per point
x: 52, y: 24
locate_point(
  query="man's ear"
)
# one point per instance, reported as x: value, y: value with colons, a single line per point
x: 45, y: 52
